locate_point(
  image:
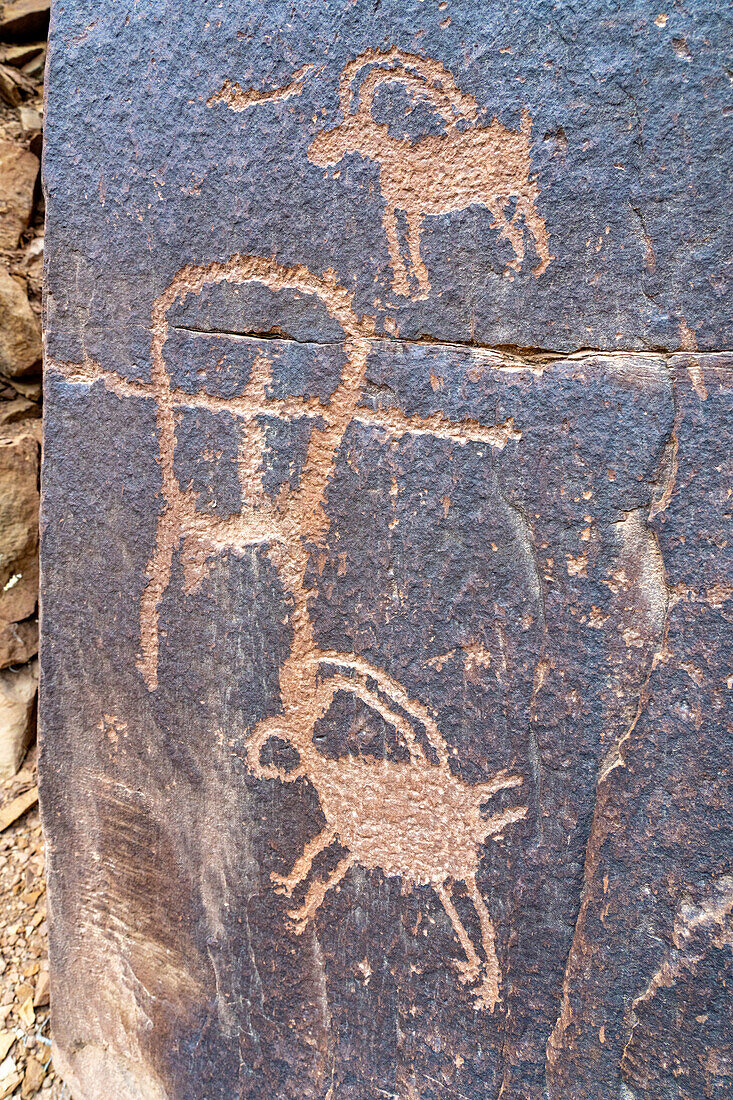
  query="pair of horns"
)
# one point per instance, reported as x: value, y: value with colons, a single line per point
x: 432, y: 79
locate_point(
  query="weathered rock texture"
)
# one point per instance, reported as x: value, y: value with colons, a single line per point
x: 18, y: 174
x: 18, y: 538
x: 21, y: 259
x: 386, y: 540
x: 24, y: 19
x: 20, y: 335
x: 18, y: 689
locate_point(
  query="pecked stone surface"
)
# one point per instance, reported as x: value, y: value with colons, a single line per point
x: 385, y: 663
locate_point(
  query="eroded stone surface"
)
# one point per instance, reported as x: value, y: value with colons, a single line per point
x: 19, y: 500
x: 20, y: 336
x: 385, y: 673
x: 18, y: 174
x: 18, y: 689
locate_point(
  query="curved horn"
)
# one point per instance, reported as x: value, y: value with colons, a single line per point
x: 269, y: 728
x: 418, y: 70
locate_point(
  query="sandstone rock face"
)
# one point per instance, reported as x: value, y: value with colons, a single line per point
x: 19, y: 504
x: 23, y: 19
x: 18, y: 690
x: 18, y: 642
x: 20, y: 334
x: 18, y: 174
x: 386, y: 666
x: 18, y: 528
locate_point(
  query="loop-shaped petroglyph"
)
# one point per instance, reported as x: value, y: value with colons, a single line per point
x: 414, y: 818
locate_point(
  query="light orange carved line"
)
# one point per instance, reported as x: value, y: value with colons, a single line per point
x: 285, y: 884
x: 460, y: 432
x: 238, y: 99
x: 495, y: 826
x: 488, y: 994
x: 471, y: 969
x: 394, y: 690
x: 372, y: 700
x: 390, y: 420
x: 88, y: 371
x: 253, y: 439
x: 431, y: 74
x: 316, y: 893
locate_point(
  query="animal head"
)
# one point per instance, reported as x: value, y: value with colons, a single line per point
x: 359, y: 132
x: 331, y: 146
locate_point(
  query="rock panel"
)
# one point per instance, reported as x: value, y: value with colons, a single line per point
x: 594, y: 219
x: 385, y: 594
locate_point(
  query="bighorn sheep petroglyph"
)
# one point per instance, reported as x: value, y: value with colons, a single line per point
x: 468, y: 164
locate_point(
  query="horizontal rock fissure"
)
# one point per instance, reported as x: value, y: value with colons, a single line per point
x: 533, y: 356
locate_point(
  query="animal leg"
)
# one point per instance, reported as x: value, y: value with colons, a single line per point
x: 316, y: 894
x: 513, y: 233
x: 414, y: 230
x: 494, y: 826
x: 537, y: 228
x: 399, y: 281
x: 285, y: 884
x: 501, y: 781
x: 470, y: 970
x: 488, y: 992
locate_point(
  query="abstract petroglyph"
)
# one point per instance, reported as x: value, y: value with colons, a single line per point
x: 468, y: 164
x: 412, y: 819
x: 239, y: 99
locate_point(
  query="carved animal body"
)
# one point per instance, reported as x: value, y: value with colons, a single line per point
x: 468, y: 164
x: 414, y: 819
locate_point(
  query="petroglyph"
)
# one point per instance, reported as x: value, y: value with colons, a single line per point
x: 468, y: 164
x: 390, y: 420
x: 239, y: 98
x: 413, y: 819
x: 697, y: 929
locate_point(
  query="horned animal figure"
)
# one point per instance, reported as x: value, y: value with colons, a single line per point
x: 412, y: 819
x: 468, y: 164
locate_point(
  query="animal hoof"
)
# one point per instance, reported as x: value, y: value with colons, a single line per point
x: 281, y: 885
x: 298, y: 922
x: 541, y: 266
x: 467, y: 972
x: 486, y: 999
